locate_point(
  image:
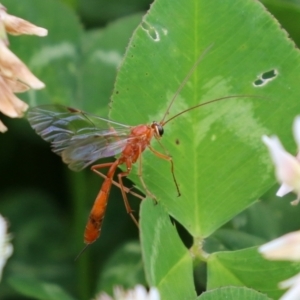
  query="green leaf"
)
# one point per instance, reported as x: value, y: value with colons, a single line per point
x: 101, y: 11
x: 168, y: 263
x: 89, y: 58
x: 233, y: 293
x: 229, y: 239
x: 248, y: 268
x: 102, y: 54
x: 71, y: 3
x: 54, y: 59
x: 263, y: 221
x: 124, y: 268
x: 38, y: 290
x: 43, y: 246
x: 286, y: 12
x: 221, y: 165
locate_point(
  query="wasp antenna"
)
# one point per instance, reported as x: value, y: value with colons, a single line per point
x: 84, y: 248
x: 208, y: 102
x: 187, y: 77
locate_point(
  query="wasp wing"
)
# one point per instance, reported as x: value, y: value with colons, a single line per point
x: 80, y: 138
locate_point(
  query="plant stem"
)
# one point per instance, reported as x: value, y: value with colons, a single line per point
x: 79, y: 192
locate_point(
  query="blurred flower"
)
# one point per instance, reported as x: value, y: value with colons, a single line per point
x: 15, y: 77
x: 6, y: 248
x: 138, y: 293
x: 286, y: 247
x: 17, y: 26
x: 12, y: 67
x: 287, y: 166
x: 294, y: 284
x: 10, y: 104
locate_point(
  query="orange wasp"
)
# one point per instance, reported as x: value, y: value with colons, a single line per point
x: 82, y: 138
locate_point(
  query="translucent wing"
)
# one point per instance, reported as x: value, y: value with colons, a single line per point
x: 80, y: 138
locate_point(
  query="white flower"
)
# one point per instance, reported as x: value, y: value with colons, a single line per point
x: 6, y: 248
x: 12, y: 67
x: 286, y: 247
x: 294, y: 284
x: 3, y: 128
x: 15, y: 77
x: 17, y: 26
x: 287, y: 166
x: 10, y: 104
x: 138, y: 293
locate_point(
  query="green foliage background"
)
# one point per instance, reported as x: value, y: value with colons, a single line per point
x: 47, y: 205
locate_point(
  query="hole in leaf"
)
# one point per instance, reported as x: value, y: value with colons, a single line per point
x: 269, y: 75
x: 151, y: 31
x: 258, y: 82
x: 265, y: 77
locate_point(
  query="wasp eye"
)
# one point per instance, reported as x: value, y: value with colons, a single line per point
x: 159, y: 130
